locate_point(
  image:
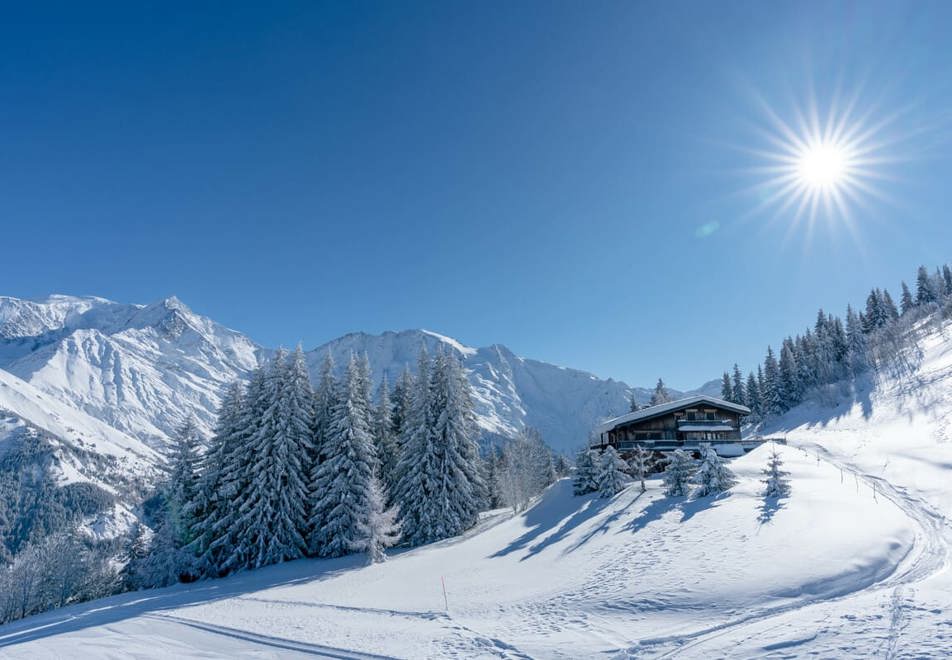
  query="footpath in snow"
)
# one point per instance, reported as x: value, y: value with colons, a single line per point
x: 639, y: 574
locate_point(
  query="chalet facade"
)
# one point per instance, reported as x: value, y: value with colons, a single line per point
x: 683, y: 424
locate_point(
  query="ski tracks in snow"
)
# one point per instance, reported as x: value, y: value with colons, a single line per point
x: 928, y: 556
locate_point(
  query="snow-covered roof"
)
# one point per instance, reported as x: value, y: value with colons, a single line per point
x: 664, y: 408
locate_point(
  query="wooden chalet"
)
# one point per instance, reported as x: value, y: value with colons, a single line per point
x: 683, y: 424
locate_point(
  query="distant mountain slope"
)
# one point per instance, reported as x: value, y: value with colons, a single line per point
x: 511, y: 392
x: 142, y: 368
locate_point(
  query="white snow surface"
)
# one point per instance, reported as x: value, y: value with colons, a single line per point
x: 22, y: 403
x: 638, y: 574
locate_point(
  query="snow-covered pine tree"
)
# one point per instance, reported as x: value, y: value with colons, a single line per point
x: 738, y: 386
x: 165, y: 562
x: 135, y: 553
x: 775, y: 479
x: 771, y: 395
x: 612, y: 473
x: 383, y: 531
x: 790, y: 393
x: 678, y: 474
x: 712, y: 476
x: 181, y: 491
x: 660, y: 394
x: 208, y: 507
x: 638, y: 464
x: 585, y: 480
x: 889, y: 308
x: 231, y: 547
x: 325, y: 398
x: 727, y: 390
x: 274, y: 512
x: 459, y: 489
x: 753, y: 394
x: 925, y: 290
x: 342, y: 506
x: 419, y: 464
x: 947, y: 280
x: 387, y: 449
x: 906, y: 303
x: 632, y: 402
x: 856, y: 341
x: 402, y: 402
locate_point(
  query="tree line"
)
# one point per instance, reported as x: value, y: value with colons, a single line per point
x: 837, y: 349
x: 294, y: 471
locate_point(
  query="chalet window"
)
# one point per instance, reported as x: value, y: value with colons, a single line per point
x: 711, y: 415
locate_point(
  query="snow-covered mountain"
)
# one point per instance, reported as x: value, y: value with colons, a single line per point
x: 142, y: 369
x: 511, y: 391
x: 139, y: 368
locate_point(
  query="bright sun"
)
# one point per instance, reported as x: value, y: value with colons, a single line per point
x: 823, y: 165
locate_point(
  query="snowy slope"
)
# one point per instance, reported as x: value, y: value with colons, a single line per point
x: 23, y: 404
x: 140, y: 369
x: 571, y: 578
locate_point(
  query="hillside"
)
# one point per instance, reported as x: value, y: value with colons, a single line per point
x: 572, y: 577
x: 856, y: 563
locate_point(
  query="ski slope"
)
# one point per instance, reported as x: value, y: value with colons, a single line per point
x: 639, y: 574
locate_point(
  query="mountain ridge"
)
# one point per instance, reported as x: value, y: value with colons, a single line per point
x: 143, y: 368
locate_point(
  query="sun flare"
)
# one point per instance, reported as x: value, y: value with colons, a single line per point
x: 823, y: 165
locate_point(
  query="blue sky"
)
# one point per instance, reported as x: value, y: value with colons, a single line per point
x: 573, y: 180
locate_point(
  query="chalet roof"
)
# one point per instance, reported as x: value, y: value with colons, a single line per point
x: 671, y: 406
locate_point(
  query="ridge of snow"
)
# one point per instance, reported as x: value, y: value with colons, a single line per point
x: 74, y: 426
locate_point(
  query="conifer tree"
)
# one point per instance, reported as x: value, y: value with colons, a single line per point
x: 459, y: 489
x: 775, y: 479
x: 612, y: 473
x: 419, y: 462
x: 678, y: 474
x: 274, y: 513
x: 889, y: 308
x: 325, y: 399
x: 402, y: 402
x: 632, y: 402
x: 789, y: 381
x: 182, y: 488
x: 727, y: 390
x: 857, y: 343
x: 925, y: 291
x: 383, y: 531
x: 585, y: 480
x: 385, y: 444
x: 638, y: 463
x: 135, y: 555
x: 772, y: 402
x: 214, y: 501
x: 753, y: 394
x: 712, y: 476
x: 341, y: 516
x: 231, y: 546
x: 906, y: 302
x: 740, y: 396
x: 660, y: 394
x: 947, y: 280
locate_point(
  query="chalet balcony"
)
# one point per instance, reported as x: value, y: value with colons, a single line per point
x: 704, y: 422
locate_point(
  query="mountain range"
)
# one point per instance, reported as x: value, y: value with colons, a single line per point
x: 141, y: 369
